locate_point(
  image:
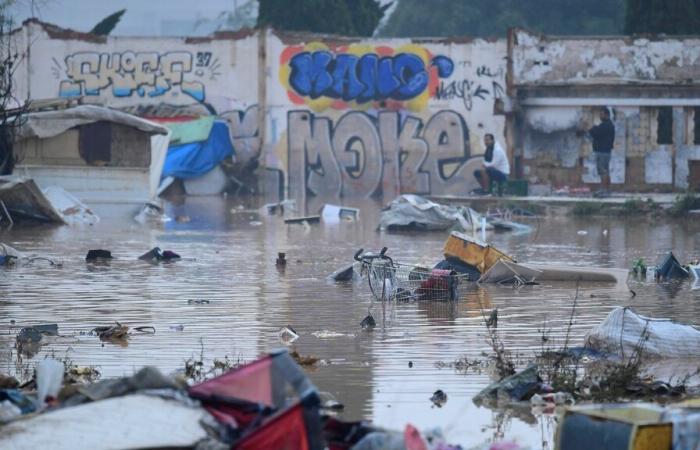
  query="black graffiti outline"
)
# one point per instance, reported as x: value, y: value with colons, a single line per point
x: 465, y: 89
x: 317, y: 165
x: 485, y: 71
x: 349, y: 145
x: 459, y: 160
x: 308, y: 167
x: 404, y: 160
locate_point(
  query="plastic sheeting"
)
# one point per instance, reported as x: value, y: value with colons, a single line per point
x: 621, y: 332
x: 414, y: 211
x: 195, y: 159
x: 671, y: 269
x: 130, y: 422
x: 211, y: 183
x: 52, y: 123
x: 72, y: 210
x: 190, y: 131
x: 508, y: 272
x: 159, y: 151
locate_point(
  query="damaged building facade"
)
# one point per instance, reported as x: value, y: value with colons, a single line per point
x: 335, y: 116
x: 651, y: 85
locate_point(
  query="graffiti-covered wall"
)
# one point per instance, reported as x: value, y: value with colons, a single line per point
x: 371, y: 117
x: 330, y: 117
x: 151, y: 76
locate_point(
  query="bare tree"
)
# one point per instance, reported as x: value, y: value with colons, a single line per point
x: 12, y: 110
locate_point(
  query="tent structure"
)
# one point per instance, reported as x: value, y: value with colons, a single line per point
x: 269, y: 402
x: 93, y: 152
x: 196, y: 150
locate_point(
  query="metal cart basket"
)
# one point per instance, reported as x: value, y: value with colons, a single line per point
x: 389, y: 280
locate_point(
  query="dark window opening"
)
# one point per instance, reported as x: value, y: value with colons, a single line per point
x: 696, y: 125
x: 664, y: 125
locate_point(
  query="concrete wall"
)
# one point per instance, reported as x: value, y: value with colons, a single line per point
x: 369, y: 117
x: 559, y: 82
x: 341, y: 117
x: 362, y: 117
x: 542, y: 60
x: 151, y: 76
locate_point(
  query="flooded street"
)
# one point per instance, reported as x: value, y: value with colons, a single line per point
x: 229, y: 260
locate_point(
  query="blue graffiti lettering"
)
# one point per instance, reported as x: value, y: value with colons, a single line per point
x: 309, y: 74
x: 348, y: 77
x: 444, y: 65
x: 128, y: 73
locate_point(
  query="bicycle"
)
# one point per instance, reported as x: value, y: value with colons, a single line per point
x: 389, y: 280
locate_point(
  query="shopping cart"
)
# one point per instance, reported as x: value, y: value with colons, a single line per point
x: 389, y: 280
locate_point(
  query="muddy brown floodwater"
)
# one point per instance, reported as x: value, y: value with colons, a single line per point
x: 229, y: 260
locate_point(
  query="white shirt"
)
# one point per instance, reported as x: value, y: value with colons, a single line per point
x: 499, y: 160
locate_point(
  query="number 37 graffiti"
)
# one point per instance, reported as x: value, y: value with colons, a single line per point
x: 127, y: 73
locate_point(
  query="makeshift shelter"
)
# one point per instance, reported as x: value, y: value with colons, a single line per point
x: 196, y: 150
x: 624, y: 332
x: 411, y: 211
x: 671, y: 269
x: 96, y: 153
x: 270, y: 402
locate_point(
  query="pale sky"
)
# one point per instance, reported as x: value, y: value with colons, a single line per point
x: 142, y: 17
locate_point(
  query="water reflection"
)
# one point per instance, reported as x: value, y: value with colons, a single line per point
x: 229, y: 251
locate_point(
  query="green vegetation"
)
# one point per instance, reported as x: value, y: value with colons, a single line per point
x: 684, y: 203
x: 662, y: 16
x: 634, y: 206
x: 106, y: 25
x: 639, y: 268
x: 494, y: 17
x: 345, y: 17
x: 587, y: 208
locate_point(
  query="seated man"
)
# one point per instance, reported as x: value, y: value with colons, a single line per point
x: 496, y: 165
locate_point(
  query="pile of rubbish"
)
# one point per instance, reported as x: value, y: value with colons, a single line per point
x: 614, y: 362
x: 413, y: 212
x: 467, y: 259
x: 669, y: 268
x: 22, y: 199
x: 623, y: 331
x: 268, y: 403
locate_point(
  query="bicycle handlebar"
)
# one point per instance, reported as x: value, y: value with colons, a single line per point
x: 367, y: 258
x: 357, y: 255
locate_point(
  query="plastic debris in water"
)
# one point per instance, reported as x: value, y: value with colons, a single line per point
x: 439, y: 398
x: 49, y: 378
x: 368, y: 323
x: 287, y: 335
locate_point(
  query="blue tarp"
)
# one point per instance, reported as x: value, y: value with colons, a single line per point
x: 196, y: 159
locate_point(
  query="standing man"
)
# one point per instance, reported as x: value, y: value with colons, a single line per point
x: 496, y: 166
x: 603, y: 136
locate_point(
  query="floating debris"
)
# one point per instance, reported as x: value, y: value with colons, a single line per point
x: 97, y: 255
x: 326, y: 334
x: 439, y: 398
x: 155, y: 255
x: 112, y: 332
x: 368, y: 323
x: 304, y: 360
x: 287, y: 335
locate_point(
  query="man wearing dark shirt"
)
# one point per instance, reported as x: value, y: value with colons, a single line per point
x: 603, y: 136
